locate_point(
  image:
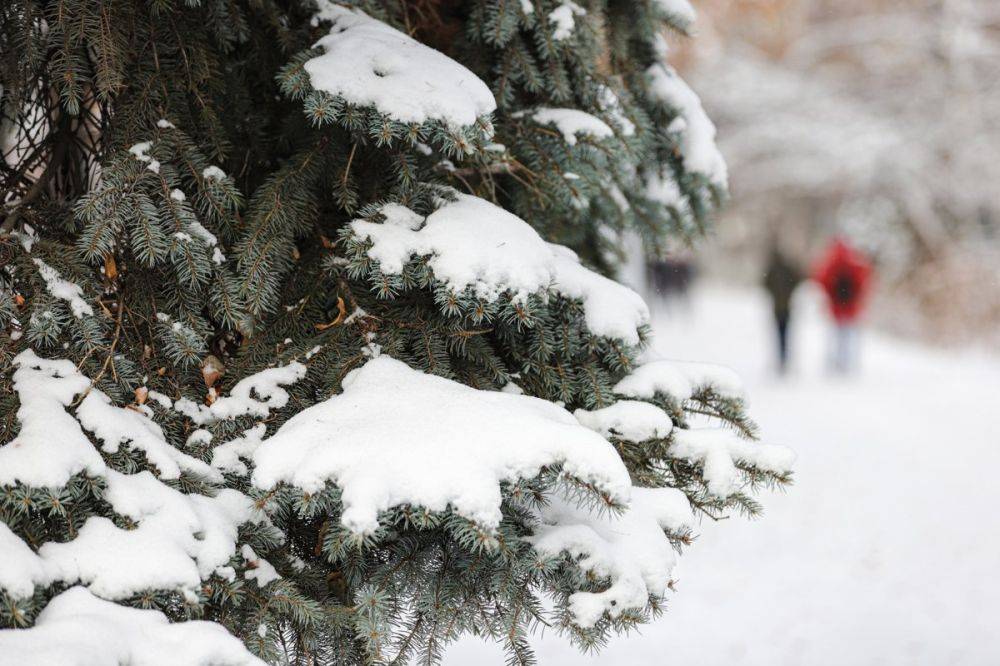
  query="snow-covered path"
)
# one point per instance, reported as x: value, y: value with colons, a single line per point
x: 887, y: 549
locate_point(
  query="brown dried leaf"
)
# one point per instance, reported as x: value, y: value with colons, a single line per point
x: 341, y: 313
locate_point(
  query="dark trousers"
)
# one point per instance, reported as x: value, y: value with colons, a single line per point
x: 781, y: 320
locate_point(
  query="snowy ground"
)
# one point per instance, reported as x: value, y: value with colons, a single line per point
x: 887, y: 549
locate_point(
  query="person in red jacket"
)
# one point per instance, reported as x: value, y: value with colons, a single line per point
x: 845, y: 276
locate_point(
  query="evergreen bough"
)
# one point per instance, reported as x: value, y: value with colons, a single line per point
x: 182, y: 206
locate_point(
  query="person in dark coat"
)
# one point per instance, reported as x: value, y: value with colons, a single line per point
x: 780, y: 279
x: 845, y: 276
x: 671, y: 278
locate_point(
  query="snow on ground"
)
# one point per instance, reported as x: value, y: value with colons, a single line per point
x: 885, y: 551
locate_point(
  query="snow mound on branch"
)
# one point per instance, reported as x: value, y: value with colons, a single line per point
x: 443, y: 444
x: 631, y: 420
x: 141, y: 152
x: 22, y: 569
x: 679, y: 380
x: 50, y: 447
x: 680, y: 10
x: 571, y: 122
x: 260, y: 570
x: 255, y: 395
x: 191, y: 535
x: 266, y: 385
x: 213, y: 172
x: 368, y: 63
x: 698, y: 148
x: 662, y: 188
x: 78, y: 628
x: 473, y: 244
x: 64, y: 290
x: 611, y: 104
x: 228, y: 457
x: 610, y: 309
x: 719, y: 449
x: 563, y: 18
x: 631, y: 549
x: 723, y: 380
x: 116, y: 426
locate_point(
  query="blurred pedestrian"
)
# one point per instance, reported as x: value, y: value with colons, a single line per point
x: 844, y: 274
x: 781, y: 276
x: 671, y: 278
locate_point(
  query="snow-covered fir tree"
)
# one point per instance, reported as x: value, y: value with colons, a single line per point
x: 309, y: 354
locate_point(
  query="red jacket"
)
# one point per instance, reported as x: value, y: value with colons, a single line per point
x: 845, y: 276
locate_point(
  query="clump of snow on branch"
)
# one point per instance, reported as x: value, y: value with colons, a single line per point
x: 64, y: 290
x: 26, y: 236
x: 255, y: 396
x: 229, y: 456
x: 50, y: 447
x: 719, y: 449
x: 266, y: 385
x: 611, y: 104
x: 679, y: 380
x: 680, y: 11
x: 140, y: 151
x: 442, y: 445
x: 369, y: 63
x: 116, y: 426
x: 22, y: 569
x: 192, y: 535
x: 473, y: 244
x: 697, y: 131
x: 630, y: 420
x: 630, y: 549
x: 260, y: 570
x: 610, y: 309
x: 213, y: 173
x: 572, y: 122
x: 663, y: 188
x: 563, y: 19
x: 207, y: 237
x: 76, y: 627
